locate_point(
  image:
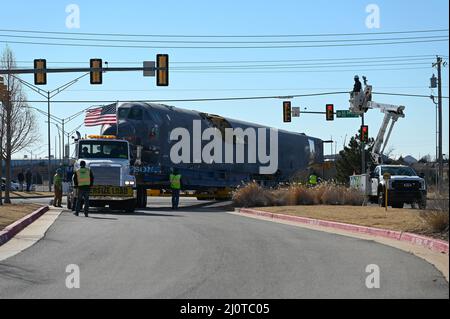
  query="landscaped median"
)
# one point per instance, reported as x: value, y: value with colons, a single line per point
x: 14, y: 218
x: 31, y: 195
x: 399, y: 224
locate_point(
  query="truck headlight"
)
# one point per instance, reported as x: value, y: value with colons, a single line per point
x: 423, y: 185
x: 129, y: 183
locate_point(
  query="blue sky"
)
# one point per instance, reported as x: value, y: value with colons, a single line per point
x: 413, y: 135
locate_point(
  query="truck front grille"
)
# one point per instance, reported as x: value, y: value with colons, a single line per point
x: 406, y: 185
x: 106, y: 175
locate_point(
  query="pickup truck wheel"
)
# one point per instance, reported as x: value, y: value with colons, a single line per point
x: 398, y: 205
x: 423, y: 204
x: 381, y: 199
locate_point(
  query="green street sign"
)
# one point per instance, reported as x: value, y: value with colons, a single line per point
x: 346, y: 114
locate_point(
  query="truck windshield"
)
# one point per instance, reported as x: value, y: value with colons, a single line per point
x: 103, y: 149
x: 398, y: 170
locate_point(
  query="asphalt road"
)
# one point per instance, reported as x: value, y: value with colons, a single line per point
x: 204, y: 252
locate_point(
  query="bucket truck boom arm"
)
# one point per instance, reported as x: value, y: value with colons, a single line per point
x: 361, y: 102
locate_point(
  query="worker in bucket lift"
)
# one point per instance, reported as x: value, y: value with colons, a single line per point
x: 357, y: 88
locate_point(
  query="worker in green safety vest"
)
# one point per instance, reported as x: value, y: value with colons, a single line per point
x: 83, y: 180
x: 313, y: 179
x: 57, y: 188
x: 175, y: 186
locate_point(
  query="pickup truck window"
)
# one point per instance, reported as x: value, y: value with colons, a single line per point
x: 400, y: 171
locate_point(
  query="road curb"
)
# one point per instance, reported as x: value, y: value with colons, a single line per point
x: 12, y: 230
x: 32, y: 197
x: 427, y: 242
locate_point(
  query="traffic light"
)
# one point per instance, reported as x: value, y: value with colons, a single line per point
x: 330, y: 112
x: 162, y: 70
x: 40, y: 76
x: 287, y: 112
x: 96, y: 76
x: 364, y: 134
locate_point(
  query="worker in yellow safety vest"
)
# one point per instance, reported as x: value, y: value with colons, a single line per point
x: 175, y: 186
x: 57, y: 188
x: 83, y: 180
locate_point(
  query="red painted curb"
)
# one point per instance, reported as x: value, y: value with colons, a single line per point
x: 428, y: 242
x: 12, y: 230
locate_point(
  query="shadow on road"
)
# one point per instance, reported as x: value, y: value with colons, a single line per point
x: 160, y: 210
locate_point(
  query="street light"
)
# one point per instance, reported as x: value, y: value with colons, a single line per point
x: 49, y: 95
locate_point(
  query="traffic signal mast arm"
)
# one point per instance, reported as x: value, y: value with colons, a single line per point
x: 360, y: 103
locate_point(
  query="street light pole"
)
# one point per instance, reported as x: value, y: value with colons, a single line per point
x: 48, y: 139
x: 49, y: 96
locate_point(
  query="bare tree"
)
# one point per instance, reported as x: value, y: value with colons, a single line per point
x: 18, y: 126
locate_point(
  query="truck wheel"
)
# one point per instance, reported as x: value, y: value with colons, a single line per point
x: 381, y: 200
x: 142, y: 198
x: 129, y: 206
x: 423, y: 204
x: 398, y: 205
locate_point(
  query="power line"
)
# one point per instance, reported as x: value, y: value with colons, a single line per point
x: 298, y: 71
x: 229, y: 98
x: 224, y: 47
x: 353, y: 59
x: 239, y: 89
x: 224, y: 36
x: 409, y: 95
x: 220, y: 42
x: 197, y: 99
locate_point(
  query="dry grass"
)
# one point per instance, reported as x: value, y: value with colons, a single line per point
x: 10, y: 213
x: 437, y: 214
x: 407, y: 220
x: 253, y: 195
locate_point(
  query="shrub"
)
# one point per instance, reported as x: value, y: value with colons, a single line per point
x: 436, y: 220
x: 252, y: 195
x: 436, y: 216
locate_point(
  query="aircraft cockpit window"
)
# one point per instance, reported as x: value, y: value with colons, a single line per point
x: 135, y: 114
x: 123, y: 113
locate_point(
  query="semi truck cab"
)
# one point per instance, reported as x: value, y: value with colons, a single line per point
x: 109, y: 160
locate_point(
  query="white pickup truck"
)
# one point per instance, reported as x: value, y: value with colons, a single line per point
x: 404, y: 186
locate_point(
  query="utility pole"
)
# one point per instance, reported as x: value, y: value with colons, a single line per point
x: 49, y: 164
x: 438, y: 65
x: 363, y: 149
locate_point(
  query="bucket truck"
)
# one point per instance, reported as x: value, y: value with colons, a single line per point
x: 402, y: 182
